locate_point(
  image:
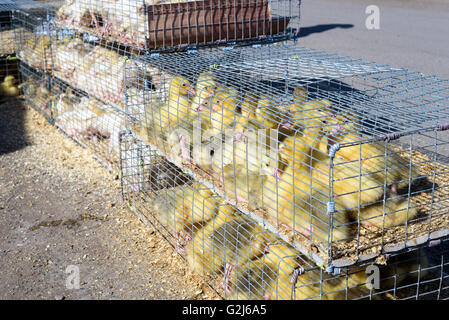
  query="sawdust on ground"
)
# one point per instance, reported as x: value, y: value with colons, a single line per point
x: 60, y: 208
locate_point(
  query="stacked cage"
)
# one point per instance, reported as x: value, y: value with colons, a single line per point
x: 172, y: 25
x: 277, y: 172
x: 332, y: 156
x: 88, y: 91
x: 8, y: 60
x: 33, y: 48
x: 22, y: 37
x: 74, y: 81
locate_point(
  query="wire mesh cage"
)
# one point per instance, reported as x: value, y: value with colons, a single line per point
x: 9, y: 68
x: 338, y: 155
x: 8, y: 61
x: 33, y: 38
x: 89, y: 91
x: 176, y: 24
x: 241, y: 259
x: 96, y: 69
x: 36, y: 87
x: 89, y: 121
x: 22, y: 35
x: 6, y: 30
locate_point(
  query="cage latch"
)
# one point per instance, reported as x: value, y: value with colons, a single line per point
x: 333, y: 149
x: 296, y: 273
x: 330, y: 207
x: 333, y: 270
x: 392, y: 136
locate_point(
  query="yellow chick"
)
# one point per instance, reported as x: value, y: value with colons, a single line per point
x: 176, y: 110
x: 296, y: 200
x: 299, y: 96
x: 200, y: 252
x: 371, y: 155
x: 248, y: 108
x: 224, y: 105
x: 205, y: 89
x: 368, y: 159
x: 8, y: 87
x: 301, y: 111
x: 192, y: 204
x: 281, y: 274
x: 226, y: 242
x: 241, y: 166
x: 269, y: 115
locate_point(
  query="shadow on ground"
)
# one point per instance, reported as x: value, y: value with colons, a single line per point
x: 305, y: 31
x: 12, y: 131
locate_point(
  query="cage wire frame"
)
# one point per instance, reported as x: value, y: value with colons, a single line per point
x: 149, y: 81
x: 341, y: 106
x: 8, y: 60
x: 33, y: 37
x: 383, y: 86
x: 36, y: 89
x: 167, y: 26
x: 89, y: 85
x: 239, y: 263
x: 97, y: 69
x: 89, y: 121
x: 83, y: 84
x: 33, y: 49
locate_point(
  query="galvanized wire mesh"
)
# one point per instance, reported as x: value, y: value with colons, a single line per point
x: 8, y: 61
x: 89, y: 121
x: 33, y: 39
x: 80, y: 84
x: 6, y: 30
x: 174, y: 25
x: 278, y: 157
x: 306, y: 140
x: 241, y: 259
x: 36, y: 89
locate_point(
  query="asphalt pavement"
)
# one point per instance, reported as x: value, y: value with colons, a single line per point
x: 412, y: 33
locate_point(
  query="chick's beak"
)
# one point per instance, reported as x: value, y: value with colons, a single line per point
x: 336, y: 129
x: 191, y: 90
x: 287, y: 124
x: 199, y: 108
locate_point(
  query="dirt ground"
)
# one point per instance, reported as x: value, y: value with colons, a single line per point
x: 60, y: 211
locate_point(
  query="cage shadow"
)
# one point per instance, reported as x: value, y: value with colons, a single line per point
x: 12, y: 128
x: 342, y: 94
x: 320, y: 28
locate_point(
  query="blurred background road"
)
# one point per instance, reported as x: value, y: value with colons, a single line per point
x: 413, y: 33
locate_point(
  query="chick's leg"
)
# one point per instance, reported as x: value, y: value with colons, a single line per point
x: 185, y: 153
x: 179, y: 247
x: 227, y: 275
